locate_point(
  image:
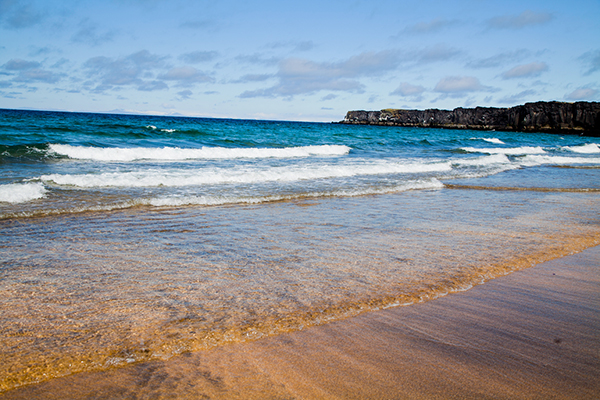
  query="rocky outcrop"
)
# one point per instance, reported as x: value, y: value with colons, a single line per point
x: 552, y: 117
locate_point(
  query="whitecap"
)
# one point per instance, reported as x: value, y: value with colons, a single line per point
x: 485, y: 160
x: 176, y: 153
x: 244, y: 175
x: 507, y: 151
x: 532, y: 160
x: 589, y: 148
x: 493, y: 140
x: 21, y: 192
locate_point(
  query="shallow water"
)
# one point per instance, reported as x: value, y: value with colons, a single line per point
x: 91, y: 291
x: 97, y: 276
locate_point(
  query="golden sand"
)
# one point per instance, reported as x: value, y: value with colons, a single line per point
x: 534, y: 334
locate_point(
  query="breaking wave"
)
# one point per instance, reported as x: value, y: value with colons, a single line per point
x: 21, y: 192
x: 506, y: 151
x: 584, y: 149
x: 244, y: 175
x: 177, y: 154
x: 493, y: 140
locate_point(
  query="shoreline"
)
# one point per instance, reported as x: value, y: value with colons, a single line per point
x: 531, y: 334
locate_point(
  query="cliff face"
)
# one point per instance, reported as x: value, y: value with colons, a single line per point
x: 552, y: 117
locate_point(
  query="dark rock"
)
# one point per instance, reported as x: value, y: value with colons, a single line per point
x: 552, y: 117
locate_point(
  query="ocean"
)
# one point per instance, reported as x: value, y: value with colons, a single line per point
x: 130, y: 238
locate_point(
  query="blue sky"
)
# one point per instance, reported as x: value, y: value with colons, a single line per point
x: 294, y: 60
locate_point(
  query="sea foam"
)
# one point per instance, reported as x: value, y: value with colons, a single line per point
x: 176, y: 153
x: 21, y: 192
x: 486, y: 160
x: 493, y: 140
x: 175, y: 201
x: 532, y: 160
x: 589, y: 148
x: 244, y: 175
x: 507, y: 151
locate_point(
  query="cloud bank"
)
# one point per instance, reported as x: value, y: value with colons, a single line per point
x: 300, y: 76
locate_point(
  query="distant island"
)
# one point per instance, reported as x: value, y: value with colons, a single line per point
x: 551, y: 117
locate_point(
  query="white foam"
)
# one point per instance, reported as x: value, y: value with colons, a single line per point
x: 21, y: 192
x: 493, y: 140
x: 216, y: 200
x: 533, y: 160
x: 486, y: 160
x: 245, y: 175
x: 507, y: 151
x: 223, y: 200
x: 176, y: 153
x: 589, y: 148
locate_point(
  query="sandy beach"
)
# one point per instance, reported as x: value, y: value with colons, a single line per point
x: 533, y: 334
x: 254, y: 200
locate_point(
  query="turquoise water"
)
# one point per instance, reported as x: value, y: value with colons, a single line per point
x: 54, y: 163
x: 128, y: 238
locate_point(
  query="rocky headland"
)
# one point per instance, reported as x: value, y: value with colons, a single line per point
x: 552, y: 117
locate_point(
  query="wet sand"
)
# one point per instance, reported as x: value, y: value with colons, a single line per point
x: 534, y: 334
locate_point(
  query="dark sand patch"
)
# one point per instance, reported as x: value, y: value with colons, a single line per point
x: 534, y: 334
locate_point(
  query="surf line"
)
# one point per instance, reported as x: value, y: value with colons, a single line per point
x: 532, y: 189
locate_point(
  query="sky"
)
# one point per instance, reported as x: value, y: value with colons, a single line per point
x: 295, y: 60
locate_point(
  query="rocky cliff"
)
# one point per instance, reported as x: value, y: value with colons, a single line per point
x: 553, y: 117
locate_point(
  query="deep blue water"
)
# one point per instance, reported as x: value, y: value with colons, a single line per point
x: 54, y: 162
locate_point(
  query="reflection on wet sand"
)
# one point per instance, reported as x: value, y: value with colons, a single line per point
x: 530, y: 335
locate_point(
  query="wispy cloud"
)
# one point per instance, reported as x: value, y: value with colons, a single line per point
x: 196, y: 57
x: 530, y: 70
x: 408, y: 90
x: 253, y: 78
x: 330, y: 96
x: 143, y: 70
x: 18, y: 15
x: 300, y: 76
x: 583, y: 94
x: 499, y: 59
x: 185, y: 94
x: 186, y: 76
x: 296, y: 46
x: 38, y: 75
x: 60, y: 63
x: 41, y: 51
x: 89, y: 33
x: 20, y: 65
x: 408, y: 58
x: 29, y: 72
x: 432, y: 26
x: 459, y: 85
x: 149, y: 86
x: 526, y: 18
x: 439, y: 52
x: 591, y: 60
x: 199, y: 24
x: 122, y: 71
x: 258, y: 58
x: 519, y: 97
